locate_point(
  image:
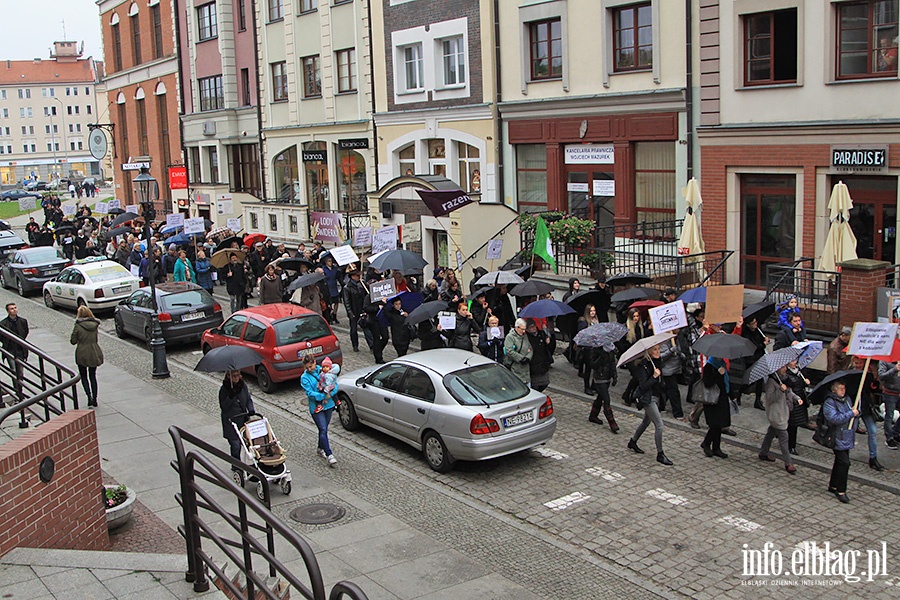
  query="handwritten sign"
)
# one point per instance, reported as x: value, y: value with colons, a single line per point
x: 668, y: 317
x: 68, y: 209
x: 872, y: 339
x: 115, y: 203
x: 384, y: 239
x: 344, y: 255
x: 362, y: 236
x: 132, y: 208
x: 411, y: 232
x: 724, y: 303
x: 327, y: 227
x: 101, y: 208
x: 27, y: 204
x: 194, y: 225
x: 494, y: 249
x: 382, y: 289
x: 447, y: 320
x: 459, y: 260
x: 233, y: 224
x: 175, y: 220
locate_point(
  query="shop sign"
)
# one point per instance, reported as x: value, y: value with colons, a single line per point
x: 178, y: 178
x: 355, y: 144
x: 577, y: 187
x: 859, y: 158
x: 590, y: 154
x: 327, y: 227
x: 315, y: 156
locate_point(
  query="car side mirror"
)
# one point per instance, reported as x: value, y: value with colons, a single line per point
x: 123, y: 302
x: 361, y: 382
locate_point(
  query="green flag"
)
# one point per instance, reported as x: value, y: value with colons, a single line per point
x: 542, y: 245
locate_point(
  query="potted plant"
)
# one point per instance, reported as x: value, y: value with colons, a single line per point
x: 119, y: 504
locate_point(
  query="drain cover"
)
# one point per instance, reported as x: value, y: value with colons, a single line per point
x: 318, y: 514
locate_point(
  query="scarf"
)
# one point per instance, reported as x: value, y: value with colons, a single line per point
x: 717, y: 363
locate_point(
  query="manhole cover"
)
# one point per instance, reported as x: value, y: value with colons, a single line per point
x: 318, y: 514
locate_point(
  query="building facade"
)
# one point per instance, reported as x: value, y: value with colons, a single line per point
x: 796, y: 96
x: 45, y: 108
x: 142, y: 90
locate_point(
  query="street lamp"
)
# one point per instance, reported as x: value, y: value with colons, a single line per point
x: 146, y: 188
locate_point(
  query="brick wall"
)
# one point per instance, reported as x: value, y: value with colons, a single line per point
x: 859, y: 279
x: 65, y: 513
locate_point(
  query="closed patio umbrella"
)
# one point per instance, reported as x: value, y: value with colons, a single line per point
x: 691, y: 240
x: 840, y: 244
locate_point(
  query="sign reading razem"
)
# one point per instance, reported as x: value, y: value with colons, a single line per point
x: 859, y: 158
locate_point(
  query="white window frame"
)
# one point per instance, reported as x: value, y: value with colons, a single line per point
x: 413, y: 55
x: 456, y: 57
x: 432, y: 61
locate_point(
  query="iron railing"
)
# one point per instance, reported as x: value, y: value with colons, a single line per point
x: 818, y: 293
x: 195, y: 467
x: 40, y: 386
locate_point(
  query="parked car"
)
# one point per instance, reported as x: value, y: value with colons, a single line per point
x: 35, y: 186
x: 9, y: 195
x: 186, y: 310
x: 9, y: 242
x: 29, y: 268
x: 283, y: 334
x: 97, y: 283
x: 450, y: 404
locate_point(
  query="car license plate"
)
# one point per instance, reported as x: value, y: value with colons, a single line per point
x: 192, y: 316
x: 313, y: 351
x: 525, y: 417
x: 51, y: 272
x: 122, y: 289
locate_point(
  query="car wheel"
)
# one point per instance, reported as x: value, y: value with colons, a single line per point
x: 286, y: 488
x: 120, y: 326
x: 347, y: 413
x: 265, y: 380
x: 48, y: 300
x: 206, y: 348
x: 20, y: 287
x: 436, y: 454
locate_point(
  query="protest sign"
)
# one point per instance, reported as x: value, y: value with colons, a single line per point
x: 194, y: 225
x: 494, y: 249
x: 101, y: 208
x: 175, y: 220
x: 362, y: 236
x: 411, y: 232
x: 384, y: 239
x: 872, y: 339
x: 27, y: 204
x: 382, y: 289
x: 344, y: 255
x: 233, y: 224
x: 68, y: 209
x: 724, y: 303
x: 447, y: 320
x: 132, y: 208
x: 115, y: 203
x: 668, y: 317
x: 327, y: 227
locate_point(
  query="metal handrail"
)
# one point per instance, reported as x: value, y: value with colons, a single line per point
x: 195, y: 528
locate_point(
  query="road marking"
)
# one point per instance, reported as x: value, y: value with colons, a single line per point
x: 566, y: 501
x: 606, y: 474
x: 550, y: 453
x: 740, y: 523
x: 661, y: 494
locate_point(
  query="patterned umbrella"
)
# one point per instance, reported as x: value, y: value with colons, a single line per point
x: 810, y: 351
x: 771, y: 362
x: 600, y: 335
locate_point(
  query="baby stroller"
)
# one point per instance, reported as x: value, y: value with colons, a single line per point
x: 260, y: 448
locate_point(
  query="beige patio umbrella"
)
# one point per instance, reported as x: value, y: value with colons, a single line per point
x: 691, y: 241
x: 840, y: 244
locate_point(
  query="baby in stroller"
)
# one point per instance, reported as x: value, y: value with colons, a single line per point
x: 262, y: 449
x: 328, y: 380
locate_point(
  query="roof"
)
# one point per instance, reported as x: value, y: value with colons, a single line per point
x: 37, y: 72
x: 438, y: 360
x: 279, y: 310
x: 174, y: 287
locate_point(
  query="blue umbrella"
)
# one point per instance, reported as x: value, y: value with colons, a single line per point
x: 408, y: 301
x: 169, y: 229
x: 697, y: 294
x: 183, y: 239
x: 541, y: 309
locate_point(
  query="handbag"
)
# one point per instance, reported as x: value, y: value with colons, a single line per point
x: 710, y: 395
x: 825, y: 432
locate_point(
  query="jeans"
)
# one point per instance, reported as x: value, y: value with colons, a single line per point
x: 234, y: 446
x: 322, y: 419
x: 673, y: 395
x: 890, y: 405
x: 651, y: 414
x: 782, y: 436
x: 840, y: 470
x: 89, y: 381
x: 871, y: 429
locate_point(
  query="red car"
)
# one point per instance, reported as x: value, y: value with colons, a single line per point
x: 283, y: 334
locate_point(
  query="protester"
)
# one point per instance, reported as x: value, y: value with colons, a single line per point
x: 396, y: 318
x: 355, y: 296
x: 780, y: 400
x: 88, y: 355
x: 429, y: 334
x: 635, y: 333
x: 751, y: 331
x: 648, y: 394
x: 332, y: 284
x: 574, y: 288
x: 310, y: 383
x: 491, y: 339
x: 838, y: 359
x: 788, y: 310
x: 376, y: 330
x: 539, y: 366
x: 235, y: 404
x: 672, y: 360
x: 603, y: 301
x: 270, y: 286
x: 18, y: 327
x: 235, y: 281
x: 481, y: 310
x: 451, y: 291
x: 183, y: 270
x: 889, y: 375
x: 869, y: 400
x: 605, y: 374
x: 518, y: 352
x: 169, y: 261
x: 716, y: 380
x: 204, y: 272
x: 792, y: 335
x: 840, y: 417
x: 798, y: 382
x: 461, y: 335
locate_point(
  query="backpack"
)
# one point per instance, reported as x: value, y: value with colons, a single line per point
x: 825, y: 432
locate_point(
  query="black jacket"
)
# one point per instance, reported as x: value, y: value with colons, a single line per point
x: 540, y: 357
x: 399, y: 330
x: 648, y: 385
x: 493, y: 348
x: 18, y: 328
x: 355, y: 296
x: 233, y: 402
x: 235, y: 279
x: 718, y: 414
x: 461, y: 337
x: 603, y: 365
x: 429, y: 337
x: 787, y: 337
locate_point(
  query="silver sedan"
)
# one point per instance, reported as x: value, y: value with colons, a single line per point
x: 451, y: 404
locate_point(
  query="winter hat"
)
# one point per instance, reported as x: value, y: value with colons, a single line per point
x: 327, y: 362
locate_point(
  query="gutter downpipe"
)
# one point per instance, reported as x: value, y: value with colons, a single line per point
x: 689, y: 86
x: 259, y: 118
x: 498, y: 134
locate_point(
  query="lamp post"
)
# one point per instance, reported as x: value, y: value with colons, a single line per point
x: 146, y: 189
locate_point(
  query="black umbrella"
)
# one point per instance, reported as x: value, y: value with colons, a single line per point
x: 111, y: 233
x: 634, y: 294
x: 759, y: 311
x: 851, y: 378
x: 482, y: 291
x: 531, y: 288
x: 524, y: 272
x: 123, y: 217
x: 620, y: 279
x: 724, y: 345
x: 541, y: 309
x: 305, y: 280
x: 228, y: 358
x: 426, y: 311
x: 399, y: 260
x: 119, y: 211
x: 226, y: 243
x: 291, y: 264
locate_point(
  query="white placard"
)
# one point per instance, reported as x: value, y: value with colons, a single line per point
x: 194, y: 225
x: 577, y: 187
x: 384, y: 239
x: 668, y: 317
x: 447, y: 320
x: 872, y: 339
x: 495, y: 333
x: 132, y: 208
x: 411, y: 232
x: 362, y: 236
x: 27, y: 204
x: 68, y: 209
x: 101, y: 208
x: 494, y: 249
x: 604, y: 187
x: 257, y: 429
x: 590, y: 154
x: 233, y: 224
x: 114, y: 203
x: 135, y: 270
x: 344, y: 255
x: 382, y: 289
x: 175, y: 220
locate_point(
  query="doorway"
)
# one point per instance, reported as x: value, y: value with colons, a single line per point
x: 873, y: 217
x: 767, y: 224
x: 591, y: 195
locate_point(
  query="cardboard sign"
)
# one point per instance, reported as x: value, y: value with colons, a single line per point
x: 447, y: 320
x: 872, y: 339
x: 175, y: 220
x: 724, y: 303
x: 494, y: 249
x: 27, y: 204
x: 411, y: 232
x: 362, y: 236
x: 384, y: 239
x: 344, y: 255
x: 101, y: 208
x: 115, y: 203
x: 327, y: 227
x: 194, y: 225
x: 668, y: 317
x: 68, y: 209
x: 132, y: 208
x: 382, y: 289
x: 233, y: 224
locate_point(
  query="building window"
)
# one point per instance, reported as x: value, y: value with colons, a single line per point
x: 546, y: 49
x: 308, y: 5
x: 407, y: 158
x: 117, y: 47
x: 242, y: 15
x: 24, y: 94
x: 244, y: 168
x: 286, y: 176
x: 312, y: 81
x: 352, y: 181
x: 770, y: 47
x: 867, y: 39
x: 279, y: 81
x: 136, y: 39
x: 531, y: 177
x: 654, y: 181
x: 162, y: 113
x: 2, y: 94
x: 142, y: 127
x: 207, y: 21
x: 196, y: 175
x: 212, y: 96
x: 245, y: 87
x: 276, y: 10
x: 454, y: 54
x: 213, y: 164
x: 254, y: 222
x: 122, y: 127
x: 767, y: 224
x: 469, y: 168
x: 346, y: 67
x: 273, y: 222
x: 316, y: 178
x: 293, y: 224
x: 88, y: 109
x: 633, y: 37
x: 156, y: 20
x: 413, y: 68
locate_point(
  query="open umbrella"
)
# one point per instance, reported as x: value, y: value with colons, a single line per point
x: 166, y: 229
x: 541, y: 309
x: 724, y: 345
x: 398, y: 260
x: 691, y: 240
x: 305, y: 280
x: 291, y: 264
x: 228, y: 358
x: 620, y: 279
x: 426, y: 311
x: 183, y: 239
x: 697, y: 294
x: 226, y: 231
x: 771, y: 362
x: 226, y: 243
x: 111, y: 233
x: 600, y: 335
x: 851, y: 378
x: 220, y: 258
x: 499, y: 278
x: 642, y: 345
x: 759, y: 311
x: 840, y: 244
x: 810, y: 350
x: 481, y: 291
x: 123, y: 217
x: 643, y: 305
x: 251, y: 238
x: 532, y: 287
x: 119, y: 211
x: 635, y: 293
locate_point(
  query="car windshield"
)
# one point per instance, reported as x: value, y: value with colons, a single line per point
x: 41, y: 256
x: 485, y: 384
x: 188, y: 299
x: 300, y: 329
x: 110, y: 273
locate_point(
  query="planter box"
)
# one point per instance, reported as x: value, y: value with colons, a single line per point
x: 121, y: 514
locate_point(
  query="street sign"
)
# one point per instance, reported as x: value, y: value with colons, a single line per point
x: 135, y: 166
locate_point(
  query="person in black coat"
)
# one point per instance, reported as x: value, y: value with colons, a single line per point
x: 716, y: 379
x: 234, y: 400
x: 376, y: 330
x: 461, y: 336
x: 789, y: 337
x: 603, y: 301
x: 649, y: 395
x: 429, y: 335
x: 396, y: 318
x: 354, y: 295
x: 797, y: 381
x: 481, y: 310
x: 540, y: 357
x: 235, y: 280
x: 489, y: 344
x: 751, y: 331
x: 603, y: 368
x: 502, y: 307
